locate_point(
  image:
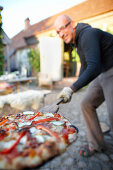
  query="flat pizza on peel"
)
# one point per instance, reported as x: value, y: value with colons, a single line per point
x: 28, y: 139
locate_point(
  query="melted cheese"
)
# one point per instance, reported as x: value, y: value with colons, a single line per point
x: 34, y: 130
x: 49, y: 114
x: 23, y: 140
x: 6, y: 144
x: 40, y: 138
x: 72, y: 137
x: 20, y: 124
x: 57, y: 123
x: 28, y: 113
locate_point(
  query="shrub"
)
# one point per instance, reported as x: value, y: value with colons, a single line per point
x: 34, y: 59
x: 1, y: 46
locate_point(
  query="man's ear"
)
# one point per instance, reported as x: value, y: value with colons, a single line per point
x: 73, y: 24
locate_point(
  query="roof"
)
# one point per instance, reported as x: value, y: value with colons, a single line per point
x: 89, y: 8
x: 18, y: 41
x: 5, y: 40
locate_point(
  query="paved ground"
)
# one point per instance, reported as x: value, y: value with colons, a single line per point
x: 70, y: 160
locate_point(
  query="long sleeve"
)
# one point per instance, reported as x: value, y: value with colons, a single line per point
x: 91, y: 51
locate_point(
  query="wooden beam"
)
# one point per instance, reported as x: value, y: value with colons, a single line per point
x: 90, y: 8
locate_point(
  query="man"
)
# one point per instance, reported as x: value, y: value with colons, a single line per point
x: 95, y: 49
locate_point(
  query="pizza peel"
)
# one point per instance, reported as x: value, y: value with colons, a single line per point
x: 52, y: 108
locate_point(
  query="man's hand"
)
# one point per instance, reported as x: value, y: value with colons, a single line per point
x: 66, y: 94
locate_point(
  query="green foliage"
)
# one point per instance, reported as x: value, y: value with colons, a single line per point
x: 51, y: 35
x: 66, y: 56
x: 75, y: 56
x: 1, y: 47
x: 34, y: 59
x: 110, y: 29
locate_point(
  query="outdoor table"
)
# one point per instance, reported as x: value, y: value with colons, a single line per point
x: 18, y: 81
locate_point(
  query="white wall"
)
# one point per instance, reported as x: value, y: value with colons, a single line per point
x: 19, y: 59
x: 51, y: 57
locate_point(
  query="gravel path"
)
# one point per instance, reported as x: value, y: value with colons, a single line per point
x: 70, y: 159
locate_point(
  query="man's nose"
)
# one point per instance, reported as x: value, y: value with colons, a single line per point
x: 61, y: 34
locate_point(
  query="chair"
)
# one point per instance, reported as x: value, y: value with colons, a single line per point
x: 45, y: 80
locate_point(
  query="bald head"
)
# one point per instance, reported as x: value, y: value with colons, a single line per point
x: 62, y: 18
x: 65, y: 28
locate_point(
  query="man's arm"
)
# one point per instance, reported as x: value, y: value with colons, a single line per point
x: 91, y: 49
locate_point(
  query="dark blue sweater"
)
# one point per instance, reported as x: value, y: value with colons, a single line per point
x: 95, y: 49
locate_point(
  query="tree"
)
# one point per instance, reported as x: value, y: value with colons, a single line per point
x: 34, y: 59
x: 1, y: 45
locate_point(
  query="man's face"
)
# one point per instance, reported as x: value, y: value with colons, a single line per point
x: 64, y: 29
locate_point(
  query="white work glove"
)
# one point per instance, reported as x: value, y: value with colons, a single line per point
x: 66, y: 94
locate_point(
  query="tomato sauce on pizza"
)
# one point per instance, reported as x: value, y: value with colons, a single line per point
x: 28, y: 139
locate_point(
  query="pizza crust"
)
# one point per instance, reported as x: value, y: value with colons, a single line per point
x: 36, y: 137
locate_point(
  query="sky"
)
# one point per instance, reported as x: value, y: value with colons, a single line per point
x: 16, y: 11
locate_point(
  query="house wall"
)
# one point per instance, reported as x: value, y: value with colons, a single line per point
x: 20, y: 60
x: 101, y: 21
x: 50, y: 33
x: 6, y: 41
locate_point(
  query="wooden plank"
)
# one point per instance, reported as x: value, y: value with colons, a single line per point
x: 90, y: 8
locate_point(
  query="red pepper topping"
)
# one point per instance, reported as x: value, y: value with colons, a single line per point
x: 65, y: 135
x: 3, y: 133
x: 48, y: 131
x: 38, y: 114
x: 1, y: 136
x: 6, y: 151
x: 45, y: 120
x: 10, y: 128
x: 56, y: 115
x: 71, y: 130
x: 1, y: 123
x: 34, y: 116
